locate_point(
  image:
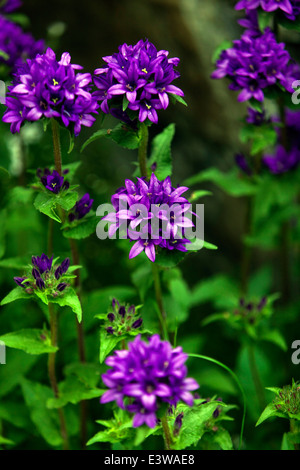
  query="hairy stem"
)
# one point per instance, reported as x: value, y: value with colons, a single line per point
x: 166, y: 433
x: 52, y: 374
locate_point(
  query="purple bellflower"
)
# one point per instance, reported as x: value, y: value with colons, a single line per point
x: 266, y: 5
x: 81, y: 208
x: 139, y: 78
x: 154, y: 213
x: 254, y: 64
x: 53, y: 181
x: 151, y: 374
x: 47, y: 88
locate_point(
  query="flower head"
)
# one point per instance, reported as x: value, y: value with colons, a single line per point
x: 283, y: 160
x: 122, y: 319
x: 44, y: 275
x: 139, y: 78
x: 153, y: 213
x: 16, y: 46
x: 254, y: 64
x: 47, y: 88
x: 151, y: 374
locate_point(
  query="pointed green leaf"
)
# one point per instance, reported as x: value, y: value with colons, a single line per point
x: 107, y: 343
x: 69, y: 299
x: 32, y: 341
x: 161, y: 152
x: 45, y: 420
x: 16, y: 294
x: 83, y: 229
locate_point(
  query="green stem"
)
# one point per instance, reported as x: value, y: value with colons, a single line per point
x: 52, y: 374
x: 56, y: 146
x: 50, y: 237
x: 142, y: 151
x: 166, y: 433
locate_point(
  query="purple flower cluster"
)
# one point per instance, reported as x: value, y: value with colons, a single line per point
x: 122, y: 319
x: 282, y: 160
x: 16, y: 46
x: 291, y: 8
x: 81, y: 208
x: 286, y: 156
x: 138, y: 78
x: 45, y: 275
x: 255, y: 63
x: 157, y: 209
x: 149, y: 374
x: 47, y: 88
x: 8, y: 6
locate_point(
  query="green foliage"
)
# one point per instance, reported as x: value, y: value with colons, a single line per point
x: 121, y: 134
x: 160, y: 155
x: 230, y: 182
x: 32, y: 341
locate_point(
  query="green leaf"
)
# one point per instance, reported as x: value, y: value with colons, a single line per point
x: 222, y: 47
x: 169, y: 259
x: 275, y: 337
x: 107, y: 343
x: 198, y: 195
x: 83, y: 229
x: 6, y: 442
x: 268, y: 412
x: 264, y: 19
x: 16, y: 294
x: 223, y: 439
x: 177, y: 98
x: 194, y: 424
x: 262, y: 137
x: 72, y: 390
x: 230, y: 182
x: 67, y: 200
x: 161, y: 152
x: 2, y: 231
x: 121, y: 134
x: 46, y: 204
x: 45, y: 420
x: 32, y: 341
x: 69, y: 299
